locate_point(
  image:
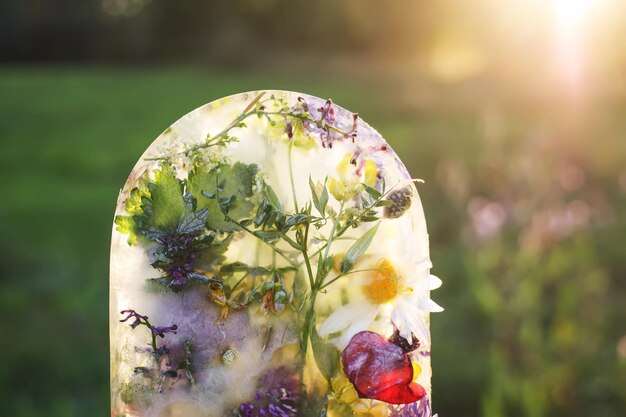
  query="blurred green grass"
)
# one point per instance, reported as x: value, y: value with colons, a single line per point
x: 70, y: 136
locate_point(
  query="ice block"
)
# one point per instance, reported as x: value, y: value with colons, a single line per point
x: 270, y: 257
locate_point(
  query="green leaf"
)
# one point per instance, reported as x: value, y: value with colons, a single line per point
x: 224, y: 189
x: 164, y: 207
x: 292, y: 242
x: 298, y: 219
x: 285, y: 269
x: 369, y: 218
x: 324, y: 199
x: 326, y: 355
x: 158, y: 207
x: 316, y: 200
x: 201, y: 278
x: 267, y: 235
x: 383, y: 203
x: 192, y: 222
x: 128, y: 226
x: 272, y: 198
x: 358, y: 248
x: 211, y: 253
x: 233, y: 267
x: 258, y: 271
x: 320, y: 201
x: 375, y: 194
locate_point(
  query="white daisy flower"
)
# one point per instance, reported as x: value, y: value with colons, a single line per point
x: 389, y: 297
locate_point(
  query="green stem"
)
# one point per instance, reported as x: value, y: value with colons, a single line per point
x: 306, y: 119
x: 305, y: 254
x: 273, y: 247
x: 293, y: 185
x: 308, y: 324
x: 239, y: 282
x: 250, y: 110
x: 212, y: 141
x: 351, y: 223
x: 343, y: 274
x: 329, y: 242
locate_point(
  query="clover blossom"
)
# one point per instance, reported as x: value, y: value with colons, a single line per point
x: 278, y: 395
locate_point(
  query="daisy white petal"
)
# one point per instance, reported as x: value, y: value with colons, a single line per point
x: 363, y: 323
x: 426, y: 304
x: 434, y: 282
x: 343, y: 317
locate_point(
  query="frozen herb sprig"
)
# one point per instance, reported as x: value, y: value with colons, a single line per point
x: 276, y: 224
x: 140, y: 320
x: 267, y: 285
x: 278, y: 112
x: 185, y: 364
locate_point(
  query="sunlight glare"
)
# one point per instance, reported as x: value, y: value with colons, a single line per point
x: 572, y: 23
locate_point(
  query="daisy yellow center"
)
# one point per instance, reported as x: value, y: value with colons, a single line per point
x: 383, y: 283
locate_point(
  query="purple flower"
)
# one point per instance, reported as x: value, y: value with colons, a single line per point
x: 417, y: 409
x: 160, y: 331
x: 325, y: 124
x: 328, y: 112
x: 278, y: 395
x: 155, y: 330
x: 138, y: 318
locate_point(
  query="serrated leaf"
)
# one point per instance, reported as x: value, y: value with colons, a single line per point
x: 128, y: 226
x: 164, y: 207
x: 158, y: 207
x: 212, y: 253
x: 358, y: 248
x: 193, y: 223
x: 232, y: 184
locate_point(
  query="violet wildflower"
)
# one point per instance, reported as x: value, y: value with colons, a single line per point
x: 176, y: 256
x: 138, y: 318
x: 328, y: 112
x: 417, y: 409
x: 160, y: 331
x: 278, y: 395
x: 154, y: 330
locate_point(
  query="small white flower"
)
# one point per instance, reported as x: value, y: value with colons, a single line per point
x: 388, y: 297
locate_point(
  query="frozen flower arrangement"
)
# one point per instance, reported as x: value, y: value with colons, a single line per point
x: 314, y: 271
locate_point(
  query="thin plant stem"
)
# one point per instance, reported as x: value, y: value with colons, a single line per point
x: 343, y: 274
x: 305, y: 254
x: 273, y: 247
x: 293, y: 185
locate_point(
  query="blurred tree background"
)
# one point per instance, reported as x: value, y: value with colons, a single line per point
x: 513, y: 111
